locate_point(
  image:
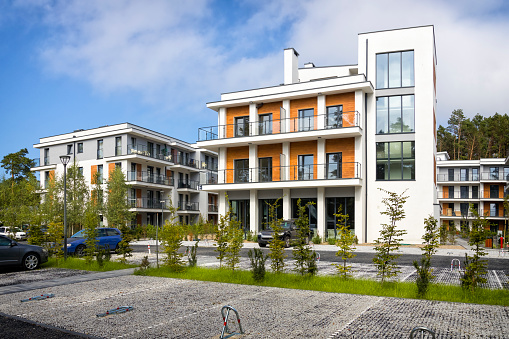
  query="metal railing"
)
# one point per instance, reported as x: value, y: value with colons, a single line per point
x: 190, y: 184
x: 487, y: 194
x: 278, y: 126
x: 494, y: 176
x: 146, y: 203
x: 345, y: 170
x: 458, y: 195
x: 186, y: 161
x: 209, y: 166
x: 457, y: 177
x: 213, y: 208
x: 149, y: 178
x: 188, y: 206
x: 151, y: 152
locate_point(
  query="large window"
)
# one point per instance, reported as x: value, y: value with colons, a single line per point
x: 265, y: 169
x: 241, y: 168
x: 395, y: 69
x: 464, y: 192
x: 118, y: 145
x: 395, y: 114
x: 494, y: 173
x: 99, y: 149
x: 493, y: 210
x: 242, y: 126
x: 475, y: 192
x: 306, y: 119
x: 395, y: 160
x: 475, y: 174
x: 306, y: 167
x: 334, y: 117
x: 264, y: 210
x: 464, y: 174
x: 80, y: 147
x: 265, y: 124
x: 494, y: 190
x: 347, y: 206
x: 334, y: 165
x: 450, y: 174
x: 311, y: 211
x: 100, y: 174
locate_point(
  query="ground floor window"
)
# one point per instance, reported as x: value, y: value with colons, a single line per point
x: 264, y: 210
x: 347, y: 205
x: 395, y: 160
x: 240, y: 211
x: 311, y: 212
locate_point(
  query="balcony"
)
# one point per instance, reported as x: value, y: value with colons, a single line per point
x: 280, y: 126
x: 186, y: 161
x: 149, y: 178
x: 45, y: 162
x: 151, y: 152
x: 346, y: 170
x: 188, y: 206
x: 457, y: 177
x: 147, y: 203
x: 494, y: 176
x: 213, y: 208
x: 458, y: 195
x: 188, y: 184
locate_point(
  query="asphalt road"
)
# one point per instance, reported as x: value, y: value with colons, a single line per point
x: 361, y: 257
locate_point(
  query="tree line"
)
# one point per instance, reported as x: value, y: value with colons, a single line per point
x: 472, y: 139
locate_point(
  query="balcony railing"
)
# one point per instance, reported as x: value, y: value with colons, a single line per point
x: 487, y: 194
x: 211, y: 178
x: 213, y: 208
x: 147, y: 203
x: 150, y: 178
x: 186, y: 161
x: 278, y: 126
x: 457, y: 177
x: 190, y: 184
x: 458, y: 195
x: 495, y: 176
x: 149, y: 152
x: 209, y: 166
x: 188, y: 206
x: 345, y: 170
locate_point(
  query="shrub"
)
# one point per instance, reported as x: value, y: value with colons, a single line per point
x: 302, y: 253
x: 171, y: 237
x: 345, y: 241
x: 277, y: 245
x: 331, y: 241
x: 191, y: 255
x: 316, y: 239
x: 258, y: 260
x: 431, y: 243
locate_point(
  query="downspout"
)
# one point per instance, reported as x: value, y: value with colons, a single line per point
x: 366, y: 154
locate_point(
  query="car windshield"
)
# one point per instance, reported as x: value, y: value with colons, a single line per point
x: 80, y: 234
x: 286, y: 224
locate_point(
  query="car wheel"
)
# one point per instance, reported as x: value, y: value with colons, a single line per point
x: 263, y: 245
x: 287, y: 242
x: 80, y: 250
x: 31, y: 261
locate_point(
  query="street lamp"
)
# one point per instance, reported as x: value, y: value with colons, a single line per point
x: 65, y: 160
x: 157, y: 229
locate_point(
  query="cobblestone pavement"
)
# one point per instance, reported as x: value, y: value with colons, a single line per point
x: 172, y: 308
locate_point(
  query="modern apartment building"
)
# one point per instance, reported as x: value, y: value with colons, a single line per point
x: 482, y: 183
x: 158, y: 168
x: 334, y: 136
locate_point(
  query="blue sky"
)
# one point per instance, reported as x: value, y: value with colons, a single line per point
x: 67, y: 65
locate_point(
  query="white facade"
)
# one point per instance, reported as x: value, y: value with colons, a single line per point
x: 160, y: 169
x: 285, y: 141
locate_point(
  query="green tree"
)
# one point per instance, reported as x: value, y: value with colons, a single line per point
x: 221, y: 235
x: 171, y: 237
x: 90, y: 226
x: 302, y: 254
x: 78, y: 195
x: 431, y: 243
x: 234, y: 236
x: 390, y: 237
x: 277, y: 245
x: 345, y: 241
x: 258, y: 260
x: 18, y: 165
x: 475, y: 265
x: 55, y: 239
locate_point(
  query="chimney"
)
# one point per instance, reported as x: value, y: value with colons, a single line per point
x: 309, y: 65
x: 291, y: 67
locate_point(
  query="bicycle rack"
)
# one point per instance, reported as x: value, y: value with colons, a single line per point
x: 39, y: 297
x: 423, y: 332
x: 317, y: 257
x: 225, y: 322
x: 455, y: 263
x: 121, y: 309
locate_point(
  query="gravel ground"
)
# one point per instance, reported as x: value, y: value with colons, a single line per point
x: 23, y: 277
x: 172, y: 308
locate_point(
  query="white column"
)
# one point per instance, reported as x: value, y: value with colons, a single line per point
x: 285, y: 120
x: 320, y: 112
x: 320, y: 212
x: 253, y: 163
x: 222, y: 123
x: 360, y: 220
x: 359, y: 107
x: 285, y: 169
x: 253, y: 211
x: 287, y: 204
x: 320, y: 159
x: 253, y: 119
x: 222, y: 203
x: 221, y: 165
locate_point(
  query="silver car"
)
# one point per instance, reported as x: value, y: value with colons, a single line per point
x: 14, y: 254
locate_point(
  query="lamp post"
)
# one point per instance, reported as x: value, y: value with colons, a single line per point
x: 65, y: 160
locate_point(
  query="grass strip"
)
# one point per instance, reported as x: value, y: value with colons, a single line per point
x: 80, y: 264
x: 334, y: 284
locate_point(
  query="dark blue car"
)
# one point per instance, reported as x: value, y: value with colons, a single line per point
x: 106, y: 238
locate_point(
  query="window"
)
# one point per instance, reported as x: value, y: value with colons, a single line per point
x: 475, y: 192
x: 395, y: 69
x: 100, y: 149
x: 464, y: 209
x: 395, y: 114
x: 242, y: 126
x: 464, y: 174
x: 80, y: 147
x: 265, y: 124
x: 69, y: 149
x: 450, y: 174
x: 150, y: 174
x: 506, y: 173
x: 80, y: 171
x: 464, y: 192
x: 264, y: 212
x: 395, y: 160
x: 118, y: 145
x: 334, y: 165
x: 306, y: 166
x: 100, y: 174
x: 264, y: 169
x: 241, y: 168
x: 494, y: 173
x: 494, y: 191
x: 334, y: 117
x: 347, y: 206
x: 311, y: 211
x: 475, y: 174
x: 306, y: 119
x: 451, y: 192
x: 133, y: 142
x: 46, y: 179
x: 46, y: 156
x: 493, y: 210
x: 118, y: 165
x: 150, y: 149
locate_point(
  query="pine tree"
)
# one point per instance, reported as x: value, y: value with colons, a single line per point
x: 431, y: 243
x: 302, y: 254
x: 277, y: 245
x: 345, y: 242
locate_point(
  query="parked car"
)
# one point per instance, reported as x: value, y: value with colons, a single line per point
x: 289, y: 234
x: 27, y: 256
x: 107, y: 238
x: 13, y: 232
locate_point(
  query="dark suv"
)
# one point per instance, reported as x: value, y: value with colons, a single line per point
x: 289, y: 234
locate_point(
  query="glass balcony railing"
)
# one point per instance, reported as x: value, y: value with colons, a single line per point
x: 345, y: 170
x: 188, y: 206
x: 278, y: 126
x: 458, y: 177
x: 149, y: 178
x: 190, y: 184
x: 147, y: 203
x: 149, y: 152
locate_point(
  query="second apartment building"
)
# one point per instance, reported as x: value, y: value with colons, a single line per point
x: 334, y: 136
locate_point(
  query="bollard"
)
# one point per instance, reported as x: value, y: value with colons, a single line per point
x: 455, y: 263
x: 422, y: 332
x: 148, y: 248
x: 39, y: 297
x: 225, y: 322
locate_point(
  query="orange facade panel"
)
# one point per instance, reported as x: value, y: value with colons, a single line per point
x: 298, y: 104
x: 234, y: 153
x: 275, y: 109
x: 111, y: 168
x: 273, y: 151
x: 302, y: 148
x: 347, y: 148
x: 231, y: 114
x: 347, y: 100
x: 93, y: 172
x: 445, y: 192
